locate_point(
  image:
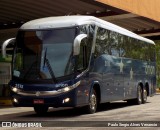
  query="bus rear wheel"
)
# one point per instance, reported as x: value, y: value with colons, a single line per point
x: 144, y: 95
x: 40, y: 110
x: 138, y: 100
x: 92, y: 107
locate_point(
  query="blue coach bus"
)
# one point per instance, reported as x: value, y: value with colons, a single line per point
x: 75, y: 61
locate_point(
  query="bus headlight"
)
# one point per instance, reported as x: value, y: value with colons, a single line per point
x: 14, y: 89
x: 68, y: 88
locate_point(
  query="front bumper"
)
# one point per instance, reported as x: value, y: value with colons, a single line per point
x: 50, y: 101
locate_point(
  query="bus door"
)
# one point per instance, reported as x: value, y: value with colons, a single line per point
x: 82, y: 71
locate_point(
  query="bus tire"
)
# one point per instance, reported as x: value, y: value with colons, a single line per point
x: 138, y: 100
x: 144, y: 95
x: 92, y: 107
x: 40, y: 110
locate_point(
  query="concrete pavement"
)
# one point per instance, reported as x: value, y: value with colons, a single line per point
x: 12, y: 110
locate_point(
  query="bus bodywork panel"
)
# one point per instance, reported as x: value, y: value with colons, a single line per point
x: 118, y: 79
x: 50, y: 94
x: 121, y: 76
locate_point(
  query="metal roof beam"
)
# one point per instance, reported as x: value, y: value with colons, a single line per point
x: 119, y: 17
x: 150, y: 34
x: 147, y: 32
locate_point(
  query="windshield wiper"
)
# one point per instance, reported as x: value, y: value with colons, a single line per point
x: 46, y: 61
x: 29, y: 69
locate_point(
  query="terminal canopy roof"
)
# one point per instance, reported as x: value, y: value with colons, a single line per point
x: 139, y: 16
x: 146, y: 8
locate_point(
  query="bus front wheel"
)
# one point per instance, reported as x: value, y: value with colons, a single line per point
x: 92, y: 107
x: 40, y: 110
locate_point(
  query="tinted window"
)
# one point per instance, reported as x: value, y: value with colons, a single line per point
x: 116, y: 44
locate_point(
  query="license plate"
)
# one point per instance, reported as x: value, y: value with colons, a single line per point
x: 38, y: 101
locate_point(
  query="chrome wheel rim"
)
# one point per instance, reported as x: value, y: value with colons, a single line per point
x: 93, y: 102
x: 145, y: 95
x: 139, y: 96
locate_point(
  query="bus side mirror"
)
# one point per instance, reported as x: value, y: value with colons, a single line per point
x: 4, y: 45
x: 77, y: 42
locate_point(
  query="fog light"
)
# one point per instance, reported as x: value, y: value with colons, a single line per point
x: 66, y: 100
x: 15, y: 100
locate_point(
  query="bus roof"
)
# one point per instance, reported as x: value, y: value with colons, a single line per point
x: 68, y: 21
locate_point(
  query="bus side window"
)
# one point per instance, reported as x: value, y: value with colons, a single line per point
x: 82, y: 58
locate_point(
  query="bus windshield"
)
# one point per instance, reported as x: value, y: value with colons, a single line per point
x: 44, y: 54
